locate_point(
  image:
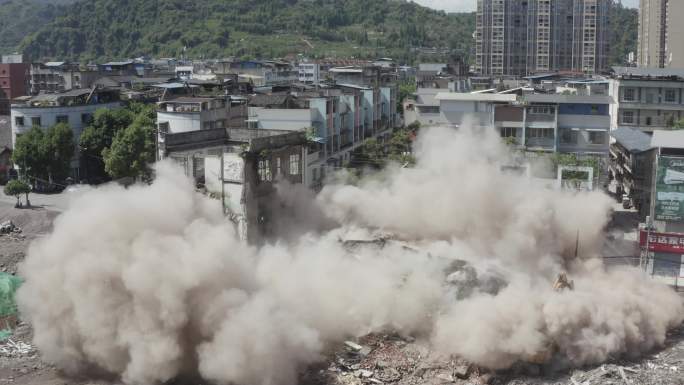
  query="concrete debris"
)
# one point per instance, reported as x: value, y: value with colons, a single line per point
x: 465, y: 280
x: 15, y: 349
x: 394, y: 359
x: 445, y: 377
x: 353, y: 346
x: 563, y: 283
x: 8, y: 227
x: 462, y: 371
x: 397, y: 360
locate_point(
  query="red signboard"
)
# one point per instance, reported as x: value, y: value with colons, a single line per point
x: 662, y: 242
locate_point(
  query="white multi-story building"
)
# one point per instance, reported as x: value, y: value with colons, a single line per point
x: 648, y: 99
x: 309, y: 73
x: 75, y: 108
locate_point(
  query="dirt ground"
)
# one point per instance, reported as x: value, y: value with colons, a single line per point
x: 381, y: 360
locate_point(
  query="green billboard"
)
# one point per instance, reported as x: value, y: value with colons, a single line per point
x: 669, y: 200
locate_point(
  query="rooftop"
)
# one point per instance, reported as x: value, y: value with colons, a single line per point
x: 55, y: 63
x: 668, y: 139
x: 346, y: 70
x: 631, y: 139
x: 75, y: 97
x: 575, y: 99
x: 188, y: 100
x: 431, y: 67
x: 118, y: 63
x: 648, y: 72
x: 268, y: 100
x: 455, y: 96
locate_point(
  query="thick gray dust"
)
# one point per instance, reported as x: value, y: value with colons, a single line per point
x: 151, y: 282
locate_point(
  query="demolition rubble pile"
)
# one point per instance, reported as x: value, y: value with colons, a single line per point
x: 8, y: 228
x: 159, y: 285
x: 11, y: 348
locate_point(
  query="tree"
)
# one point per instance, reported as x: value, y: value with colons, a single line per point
x: 677, y: 125
x: 59, y: 140
x: 30, y: 153
x: 132, y: 151
x: 99, y: 135
x: 16, y: 188
x: 406, y: 89
x: 45, y: 154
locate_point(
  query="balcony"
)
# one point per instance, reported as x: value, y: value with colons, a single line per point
x: 534, y: 118
x: 645, y: 122
x: 541, y: 143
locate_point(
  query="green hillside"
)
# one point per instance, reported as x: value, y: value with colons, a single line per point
x: 115, y: 29
x: 107, y: 29
x: 20, y: 18
x: 625, y: 33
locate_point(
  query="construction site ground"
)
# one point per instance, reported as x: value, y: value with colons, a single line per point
x: 374, y: 359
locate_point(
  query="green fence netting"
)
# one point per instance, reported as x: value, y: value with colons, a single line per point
x: 9, y: 284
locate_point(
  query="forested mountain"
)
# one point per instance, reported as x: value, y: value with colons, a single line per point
x: 97, y: 29
x: 625, y: 33
x: 20, y: 18
x: 115, y: 29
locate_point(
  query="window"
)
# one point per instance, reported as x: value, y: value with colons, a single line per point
x: 19, y: 120
x: 279, y: 168
x: 540, y: 133
x: 86, y: 118
x: 569, y: 136
x: 36, y: 121
x: 597, y: 137
x: 628, y: 117
x: 63, y: 119
x: 265, y: 171
x: 670, y: 96
x: 197, y: 167
x: 294, y: 164
x: 540, y: 110
x: 594, y: 109
x: 629, y: 95
x: 509, y: 132
x: 428, y: 109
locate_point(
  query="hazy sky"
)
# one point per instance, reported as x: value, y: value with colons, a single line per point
x: 469, y: 5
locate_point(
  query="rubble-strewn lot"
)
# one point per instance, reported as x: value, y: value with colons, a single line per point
x: 372, y: 360
x: 390, y: 359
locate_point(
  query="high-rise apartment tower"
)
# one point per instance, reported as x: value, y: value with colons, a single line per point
x: 524, y: 37
x: 660, y: 33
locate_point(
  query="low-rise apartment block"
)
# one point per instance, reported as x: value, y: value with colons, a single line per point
x: 55, y: 77
x: 648, y: 99
x: 75, y: 108
x: 536, y: 122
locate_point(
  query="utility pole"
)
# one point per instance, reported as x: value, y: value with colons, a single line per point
x: 223, y: 183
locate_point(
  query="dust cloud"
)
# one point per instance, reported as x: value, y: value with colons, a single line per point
x: 151, y: 282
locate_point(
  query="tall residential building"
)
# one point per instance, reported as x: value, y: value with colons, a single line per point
x: 523, y: 37
x: 660, y: 31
